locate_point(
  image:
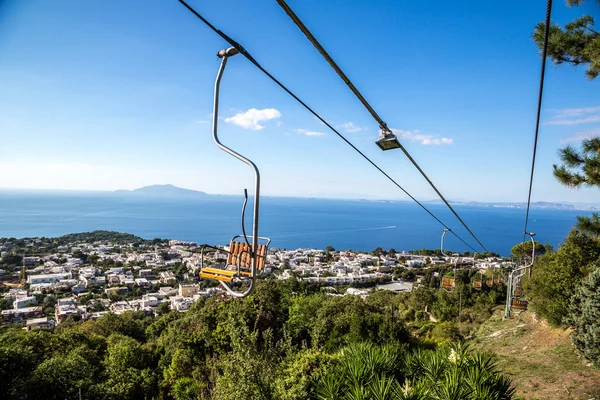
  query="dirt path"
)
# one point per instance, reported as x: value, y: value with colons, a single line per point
x: 540, y: 360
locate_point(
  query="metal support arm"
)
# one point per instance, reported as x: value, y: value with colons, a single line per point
x: 445, y: 255
x: 224, y: 54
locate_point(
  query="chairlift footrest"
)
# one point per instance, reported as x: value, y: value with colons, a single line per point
x: 218, y: 274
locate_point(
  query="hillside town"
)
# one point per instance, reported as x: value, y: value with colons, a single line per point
x: 84, y: 280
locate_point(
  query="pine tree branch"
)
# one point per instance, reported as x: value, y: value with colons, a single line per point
x: 570, y: 157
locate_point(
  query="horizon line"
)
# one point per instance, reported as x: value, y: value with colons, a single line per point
x: 357, y: 198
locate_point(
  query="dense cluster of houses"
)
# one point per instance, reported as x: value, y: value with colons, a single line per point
x: 142, y: 278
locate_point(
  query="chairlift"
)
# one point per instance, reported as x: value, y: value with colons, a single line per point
x: 477, y: 283
x: 518, y: 305
x: 448, y: 284
x: 490, y: 282
x: 514, y: 290
x: 245, y: 259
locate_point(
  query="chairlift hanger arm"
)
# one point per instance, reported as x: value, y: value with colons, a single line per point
x: 454, y: 268
x: 224, y: 55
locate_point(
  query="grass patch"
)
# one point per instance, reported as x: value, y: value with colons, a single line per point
x: 540, y: 360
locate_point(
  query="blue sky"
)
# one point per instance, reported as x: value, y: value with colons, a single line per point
x: 112, y: 95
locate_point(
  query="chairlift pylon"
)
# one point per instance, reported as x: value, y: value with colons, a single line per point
x: 245, y: 259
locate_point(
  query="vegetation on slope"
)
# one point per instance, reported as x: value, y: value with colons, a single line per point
x: 283, y: 342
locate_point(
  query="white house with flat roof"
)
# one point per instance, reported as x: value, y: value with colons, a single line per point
x: 48, y: 278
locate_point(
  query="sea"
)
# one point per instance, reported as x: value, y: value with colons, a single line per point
x: 289, y: 222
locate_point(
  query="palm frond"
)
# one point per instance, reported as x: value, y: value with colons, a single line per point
x: 331, y: 387
x: 383, y: 388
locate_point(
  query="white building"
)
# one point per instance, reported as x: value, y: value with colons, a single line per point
x: 181, y: 303
x: 48, y: 278
x: 39, y: 323
x: 22, y: 302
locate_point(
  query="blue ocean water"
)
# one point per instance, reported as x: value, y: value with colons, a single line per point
x: 289, y: 222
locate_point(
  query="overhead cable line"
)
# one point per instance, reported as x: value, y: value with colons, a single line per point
x: 245, y: 53
x: 539, y: 109
x: 365, y: 103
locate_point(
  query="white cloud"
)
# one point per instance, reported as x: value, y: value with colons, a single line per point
x: 279, y: 123
x: 201, y: 122
x: 578, y: 137
x: 251, y: 118
x: 417, y: 136
x: 307, y: 132
x: 349, y: 127
x: 574, y: 116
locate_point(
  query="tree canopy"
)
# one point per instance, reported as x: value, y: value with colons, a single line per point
x: 582, y: 168
x: 583, y: 317
x: 556, y: 276
x: 578, y: 43
x: 523, y: 250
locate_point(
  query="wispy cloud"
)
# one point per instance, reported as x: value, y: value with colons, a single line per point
x: 349, y: 127
x: 201, y: 122
x: 417, y: 136
x: 574, y: 116
x: 307, y: 132
x: 279, y: 123
x: 578, y: 137
x: 251, y: 118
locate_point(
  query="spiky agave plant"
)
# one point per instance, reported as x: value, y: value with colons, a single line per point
x: 370, y: 372
x: 483, y: 379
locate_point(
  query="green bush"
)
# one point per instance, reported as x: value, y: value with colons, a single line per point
x: 556, y: 276
x: 584, y: 317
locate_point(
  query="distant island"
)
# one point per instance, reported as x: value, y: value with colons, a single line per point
x: 172, y: 191
x: 163, y: 191
x: 534, y: 205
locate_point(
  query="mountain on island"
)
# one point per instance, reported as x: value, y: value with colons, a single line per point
x: 163, y: 191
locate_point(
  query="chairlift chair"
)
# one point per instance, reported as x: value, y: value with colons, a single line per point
x: 490, y: 282
x: 519, y: 305
x: 514, y: 290
x: 245, y: 258
x: 477, y: 283
x: 448, y: 284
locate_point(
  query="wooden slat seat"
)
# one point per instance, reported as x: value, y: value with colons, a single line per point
x: 240, y: 259
x: 519, y: 304
x: 447, y: 283
x: 240, y: 252
x: 225, y: 275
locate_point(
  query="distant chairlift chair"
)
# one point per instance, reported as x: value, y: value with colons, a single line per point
x: 448, y: 284
x: 245, y: 259
x: 477, y: 283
